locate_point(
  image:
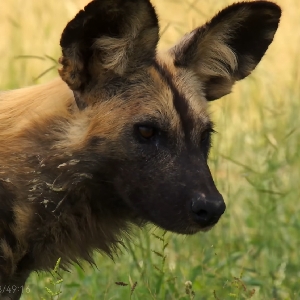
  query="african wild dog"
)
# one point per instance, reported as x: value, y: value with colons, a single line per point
x: 123, y: 137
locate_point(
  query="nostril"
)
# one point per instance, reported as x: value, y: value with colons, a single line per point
x: 202, y: 213
x: 207, y: 212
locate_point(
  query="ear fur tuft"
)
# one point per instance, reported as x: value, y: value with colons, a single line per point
x: 229, y: 47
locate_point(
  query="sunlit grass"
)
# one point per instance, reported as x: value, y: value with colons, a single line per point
x: 253, y: 251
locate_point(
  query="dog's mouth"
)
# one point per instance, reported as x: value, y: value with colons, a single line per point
x: 186, y: 229
x: 191, y: 230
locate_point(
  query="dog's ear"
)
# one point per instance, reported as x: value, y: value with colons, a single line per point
x: 108, y: 38
x: 229, y: 47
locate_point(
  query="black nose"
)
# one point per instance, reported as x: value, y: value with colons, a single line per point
x: 207, y: 210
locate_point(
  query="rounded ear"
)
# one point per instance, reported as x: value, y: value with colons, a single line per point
x: 108, y: 38
x: 229, y: 47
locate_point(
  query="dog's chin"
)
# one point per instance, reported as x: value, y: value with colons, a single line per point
x: 189, y: 230
x: 208, y: 228
x: 184, y: 228
x: 194, y: 230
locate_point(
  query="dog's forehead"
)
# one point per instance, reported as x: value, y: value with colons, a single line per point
x: 186, y: 95
x: 171, y: 95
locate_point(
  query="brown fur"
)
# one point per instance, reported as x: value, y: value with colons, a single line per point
x: 76, y: 172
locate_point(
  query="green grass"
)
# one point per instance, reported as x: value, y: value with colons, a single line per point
x: 252, y: 253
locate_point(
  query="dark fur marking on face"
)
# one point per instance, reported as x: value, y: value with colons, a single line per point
x: 180, y: 102
x: 6, y: 196
x: 96, y: 141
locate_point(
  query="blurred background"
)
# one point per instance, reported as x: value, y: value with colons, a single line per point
x: 255, y: 161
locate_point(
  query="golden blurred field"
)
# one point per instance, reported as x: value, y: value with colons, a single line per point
x: 34, y: 27
x: 255, y: 159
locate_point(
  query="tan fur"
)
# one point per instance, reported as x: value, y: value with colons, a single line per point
x: 30, y: 106
x: 19, y: 107
x: 23, y: 222
x: 9, y: 256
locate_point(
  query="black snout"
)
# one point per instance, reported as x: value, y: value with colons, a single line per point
x: 207, y: 210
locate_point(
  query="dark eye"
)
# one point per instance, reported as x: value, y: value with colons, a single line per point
x: 205, y: 135
x: 206, y: 141
x: 146, y: 132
